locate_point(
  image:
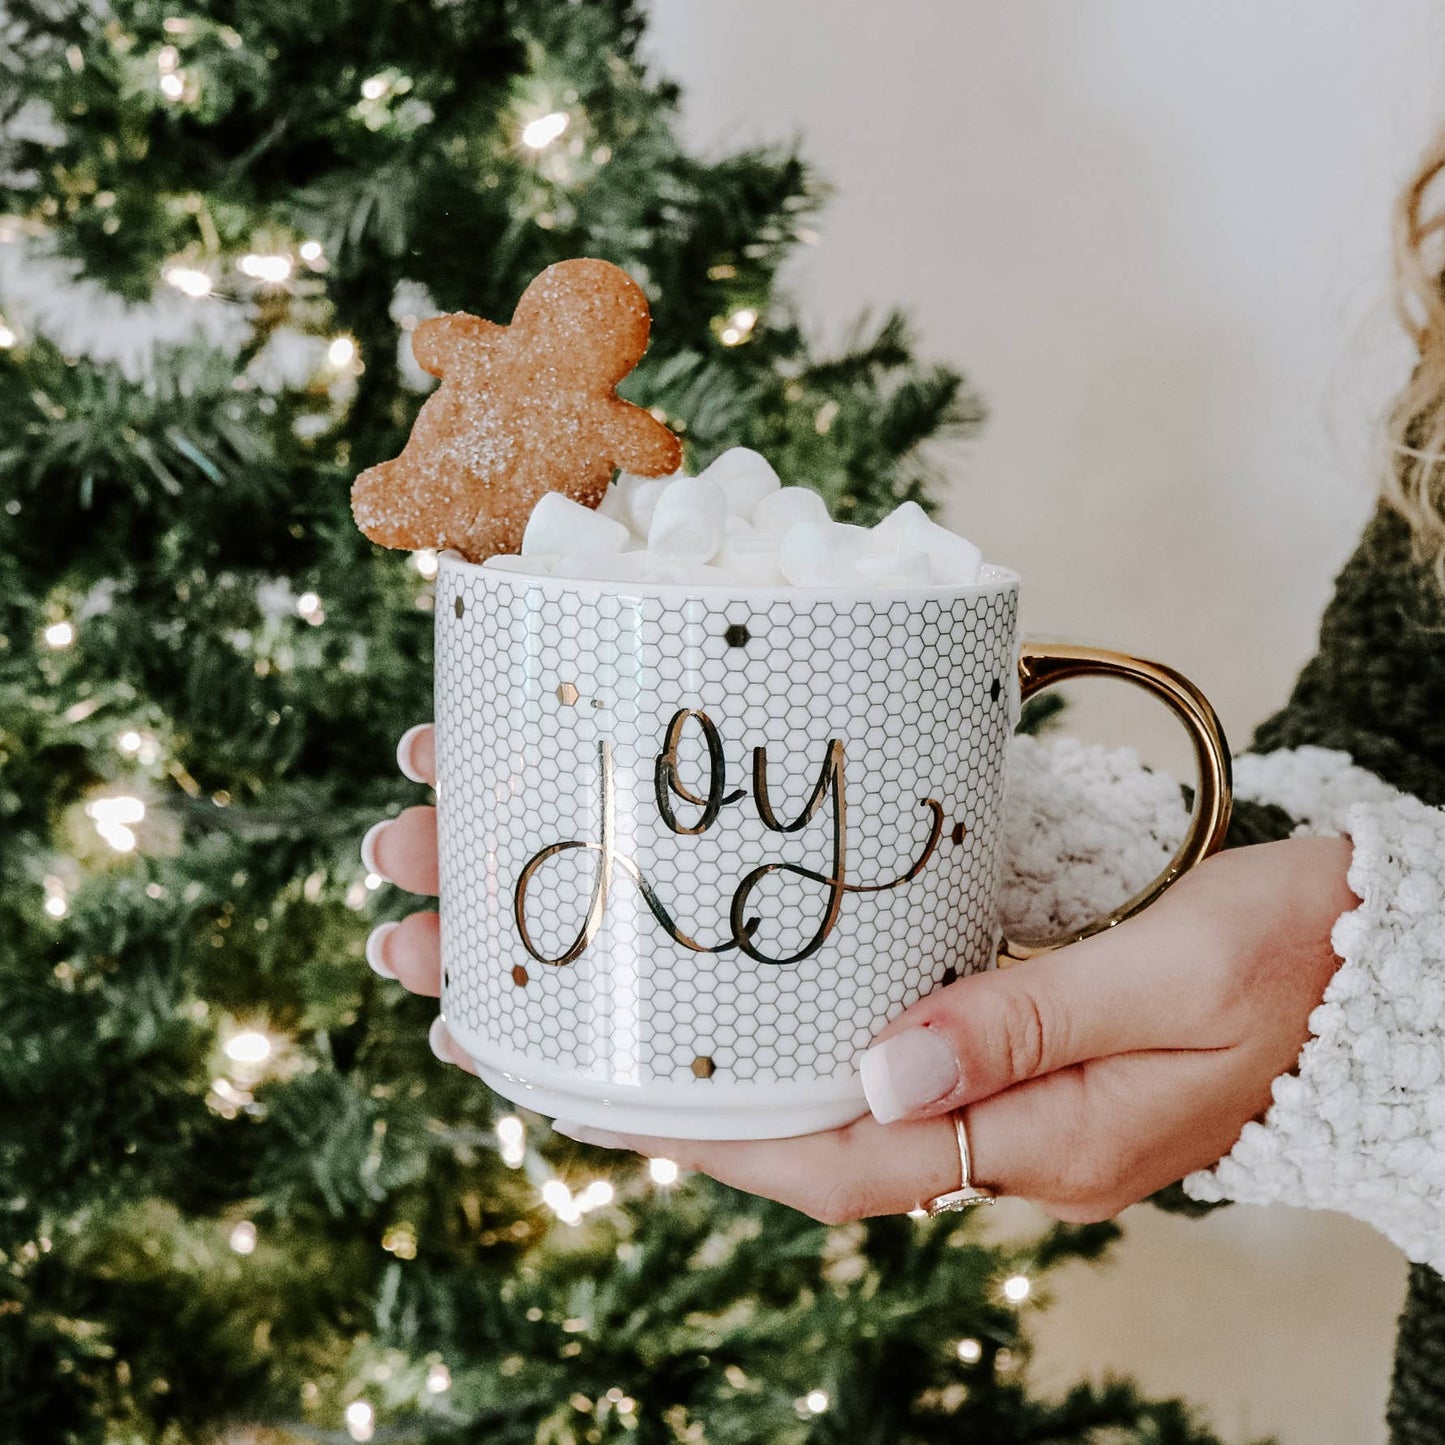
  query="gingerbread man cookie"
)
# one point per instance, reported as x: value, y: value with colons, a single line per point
x: 522, y: 410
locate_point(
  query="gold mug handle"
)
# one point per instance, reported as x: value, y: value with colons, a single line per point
x: 1042, y: 665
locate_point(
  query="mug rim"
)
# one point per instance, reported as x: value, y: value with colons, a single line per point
x: 992, y: 578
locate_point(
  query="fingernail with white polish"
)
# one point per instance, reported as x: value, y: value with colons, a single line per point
x: 368, y: 846
x: 403, y: 753
x: 907, y: 1071
x: 437, y: 1037
x: 585, y: 1134
x: 375, y: 942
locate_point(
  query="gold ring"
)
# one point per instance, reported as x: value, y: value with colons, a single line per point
x: 968, y: 1194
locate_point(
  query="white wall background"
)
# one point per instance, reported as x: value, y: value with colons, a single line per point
x: 1157, y: 238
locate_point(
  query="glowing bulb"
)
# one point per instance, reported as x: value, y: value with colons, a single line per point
x: 556, y: 1195
x: 510, y: 1129
x: 129, y: 742
x: 311, y: 250
x: 1016, y: 1288
x: 243, y: 1238
x: 116, y: 810
x: 596, y: 1194
x: 307, y: 603
x: 373, y: 881
x: 265, y: 268
x: 374, y: 87
x: 55, y: 906
x: 919, y: 1213
x: 172, y: 87
x: 539, y: 134
x: 341, y: 352
x: 168, y: 59
x: 250, y: 1046
x: 188, y: 280
x: 663, y: 1171
x: 970, y: 1351
x: 438, y: 1379
x: 425, y: 562
x: 7, y: 337
x: 739, y: 326
x: 59, y: 634
x: 360, y: 1420
x: 816, y: 1401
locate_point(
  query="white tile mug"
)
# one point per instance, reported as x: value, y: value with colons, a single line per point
x: 699, y: 844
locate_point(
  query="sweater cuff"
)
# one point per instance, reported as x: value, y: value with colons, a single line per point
x: 1359, y: 1127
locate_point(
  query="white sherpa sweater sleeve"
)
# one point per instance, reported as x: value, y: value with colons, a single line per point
x: 1359, y: 1125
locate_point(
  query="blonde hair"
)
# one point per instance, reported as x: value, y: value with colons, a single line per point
x: 1414, y: 482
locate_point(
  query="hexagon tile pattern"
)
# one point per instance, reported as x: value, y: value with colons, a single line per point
x: 531, y: 679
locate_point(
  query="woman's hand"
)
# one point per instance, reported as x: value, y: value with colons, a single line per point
x: 1093, y: 1075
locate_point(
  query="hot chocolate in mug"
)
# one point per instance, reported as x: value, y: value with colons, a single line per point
x: 698, y: 844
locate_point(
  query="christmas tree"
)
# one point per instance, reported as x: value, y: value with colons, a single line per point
x: 240, y: 1200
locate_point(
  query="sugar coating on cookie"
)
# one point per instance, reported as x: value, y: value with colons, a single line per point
x: 521, y: 410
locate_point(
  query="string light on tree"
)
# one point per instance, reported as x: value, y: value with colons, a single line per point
x: 7, y: 337
x: 425, y: 562
x: 309, y: 609
x: 663, y: 1171
x: 59, y: 635
x: 360, y: 1420
x: 438, y: 1379
x: 815, y: 1402
x: 970, y: 1351
x: 538, y: 134
x: 1016, y: 1288
x: 341, y: 352
x: 243, y: 1238
x: 512, y: 1133
x: 55, y: 904
x: 271, y: 269
x: 249, y: 1047
x: 739, y: 326
x: 115, y: 819
x: 188, y: 279
x: 310, y: 251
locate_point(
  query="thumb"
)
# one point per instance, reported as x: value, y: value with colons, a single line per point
x: 1110, y: 994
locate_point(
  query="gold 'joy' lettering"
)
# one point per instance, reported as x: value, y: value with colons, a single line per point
x: 667, y: 785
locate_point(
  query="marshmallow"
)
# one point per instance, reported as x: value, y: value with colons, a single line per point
x: 688, y: 520
x: 538, y: 562
x: 779, y: 510
x: 817, y: 554
x: 745, y: 477
x: 750, y: 558
x: 558, y: 524
x: 951, y: 559
x: 892, y: 569
x: 637, y: 496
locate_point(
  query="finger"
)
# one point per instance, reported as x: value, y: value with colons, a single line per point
x: 1088, y: 1141
x: 861, y: 1169
x: 1131, y: 989
x: 416, y: 753
x: 410, y: 952
x: 404, y: 849
x: 446, y: 1048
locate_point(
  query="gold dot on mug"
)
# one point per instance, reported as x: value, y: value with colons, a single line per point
x: 703, y: 1066
x: 459, y: 607
x: 567, y: 694
x: 948, y: 976
x: 959, y: 833
x: 519, y: 976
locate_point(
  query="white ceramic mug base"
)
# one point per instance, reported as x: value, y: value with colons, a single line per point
x: 704, y: 1110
